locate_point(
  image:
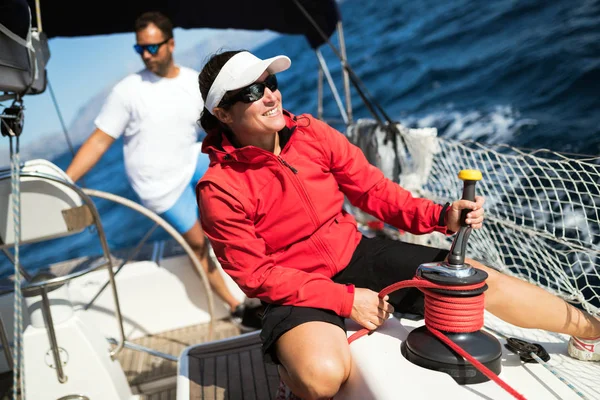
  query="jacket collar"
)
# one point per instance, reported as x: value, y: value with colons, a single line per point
x: 220, y: 149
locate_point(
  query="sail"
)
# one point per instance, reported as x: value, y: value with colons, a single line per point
x: 77, y: 18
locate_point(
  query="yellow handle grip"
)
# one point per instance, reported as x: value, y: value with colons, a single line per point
x: 470, y: 175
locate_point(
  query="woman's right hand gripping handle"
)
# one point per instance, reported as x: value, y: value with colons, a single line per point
x: 369, y: 310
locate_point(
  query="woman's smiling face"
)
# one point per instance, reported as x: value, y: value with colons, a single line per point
x: 264, y: 116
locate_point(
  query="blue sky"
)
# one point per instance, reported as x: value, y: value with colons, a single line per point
x: 81, y: 67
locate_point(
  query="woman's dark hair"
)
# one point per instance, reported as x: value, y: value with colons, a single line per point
x: 205, y: 80
x: 157, y: 18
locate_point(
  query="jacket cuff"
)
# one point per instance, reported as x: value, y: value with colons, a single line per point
x: 443, y: 214
x: 439, y: 219
x: 347, y: 300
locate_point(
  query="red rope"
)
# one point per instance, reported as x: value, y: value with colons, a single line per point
x: 449, y: 314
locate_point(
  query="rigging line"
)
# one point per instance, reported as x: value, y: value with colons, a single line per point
x: 365, y: 96
x: 356, y: 80
x: 392, y: 129
x: 63, y: 126
x: 18, y: 352
x: 60, y: 117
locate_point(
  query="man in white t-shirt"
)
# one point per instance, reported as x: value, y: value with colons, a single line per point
x: 156, y: 110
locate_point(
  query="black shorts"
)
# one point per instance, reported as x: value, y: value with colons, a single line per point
x: 376, y: 263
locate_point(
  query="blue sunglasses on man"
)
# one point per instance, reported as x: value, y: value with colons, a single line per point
x: 150, y: 48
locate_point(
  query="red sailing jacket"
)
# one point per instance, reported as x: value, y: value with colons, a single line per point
x: 277, y: 224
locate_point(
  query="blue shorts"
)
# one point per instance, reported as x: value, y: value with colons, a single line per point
x: 184, y: 213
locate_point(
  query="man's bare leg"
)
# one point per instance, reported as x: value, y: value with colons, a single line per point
x: 198, y: 242
x: 523, y: 304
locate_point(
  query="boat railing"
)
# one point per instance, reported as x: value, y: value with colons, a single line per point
x: 130, y: 257
x: 172, y: 232
x: 68, y: 209
x: 49, y: 192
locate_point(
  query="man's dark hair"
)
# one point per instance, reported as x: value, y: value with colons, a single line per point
x: 157, y: 18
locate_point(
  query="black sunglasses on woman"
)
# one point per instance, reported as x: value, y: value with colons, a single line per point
x: 251, y: 93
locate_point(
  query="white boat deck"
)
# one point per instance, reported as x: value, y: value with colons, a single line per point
x: 386, y: 374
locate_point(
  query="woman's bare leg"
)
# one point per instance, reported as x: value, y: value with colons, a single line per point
x: 315, y: 359
x: 198, y: 242
x: 523, y: 304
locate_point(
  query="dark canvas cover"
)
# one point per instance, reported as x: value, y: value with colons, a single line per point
x: 21, y: 70
x: 83, y: 18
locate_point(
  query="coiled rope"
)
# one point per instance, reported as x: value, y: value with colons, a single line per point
x: 449, y: 314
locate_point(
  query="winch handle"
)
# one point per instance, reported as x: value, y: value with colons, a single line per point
x: 470, y: 178
x: 456, y: 258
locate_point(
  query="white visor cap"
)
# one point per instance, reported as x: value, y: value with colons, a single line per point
x: 242, y: 70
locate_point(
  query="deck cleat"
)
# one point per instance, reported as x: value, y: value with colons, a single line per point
x: 525, y: 350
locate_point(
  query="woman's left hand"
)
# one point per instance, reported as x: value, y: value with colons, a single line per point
x: 474, y: 217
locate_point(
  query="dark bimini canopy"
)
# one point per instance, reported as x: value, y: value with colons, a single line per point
x: 68, y: 18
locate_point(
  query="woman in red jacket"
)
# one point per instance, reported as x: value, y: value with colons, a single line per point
x: 272, y: 206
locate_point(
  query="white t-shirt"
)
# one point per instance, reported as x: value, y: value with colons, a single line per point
x: 158, y: 117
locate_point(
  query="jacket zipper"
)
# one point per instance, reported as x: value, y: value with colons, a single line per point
x: 294, y: 170
x: 315, y: 218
